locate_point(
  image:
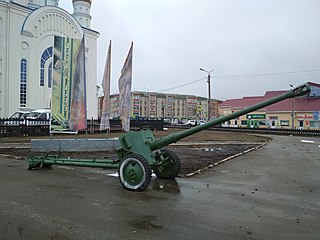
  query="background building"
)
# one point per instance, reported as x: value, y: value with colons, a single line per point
x: 27, y: 29
x: 175, y: 107
x: 299, y: 112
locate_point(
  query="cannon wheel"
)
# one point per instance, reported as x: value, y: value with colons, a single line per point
x: 135, y: 172
x: 170, y: 169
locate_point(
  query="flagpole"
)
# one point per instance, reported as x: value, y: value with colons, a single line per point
x: 85, y: 82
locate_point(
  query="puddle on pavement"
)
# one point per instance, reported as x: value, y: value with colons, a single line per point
x: 145, y: 223
x: 59, y: 187
x: 58, y: 237
x: 165, y: 185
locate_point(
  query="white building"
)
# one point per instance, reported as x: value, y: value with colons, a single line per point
x: 27, y: 29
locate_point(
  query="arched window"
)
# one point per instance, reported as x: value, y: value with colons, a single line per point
x: 23, y: 82
x: 45, y: 56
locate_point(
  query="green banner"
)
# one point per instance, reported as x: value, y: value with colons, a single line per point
x: 64, y: 66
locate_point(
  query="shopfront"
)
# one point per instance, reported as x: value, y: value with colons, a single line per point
x: 315, y: 122
x: 256, y: 120
x: 302, y: 121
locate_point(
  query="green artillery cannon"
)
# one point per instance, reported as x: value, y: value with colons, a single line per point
x: 141, y: 152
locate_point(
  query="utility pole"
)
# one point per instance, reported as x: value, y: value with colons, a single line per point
x: 293, y: 109
x: 209, y: 91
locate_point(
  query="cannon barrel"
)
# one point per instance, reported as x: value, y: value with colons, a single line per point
x: 174, y: 137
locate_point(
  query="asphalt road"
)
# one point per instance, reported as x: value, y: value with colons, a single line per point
x: 270, y: 193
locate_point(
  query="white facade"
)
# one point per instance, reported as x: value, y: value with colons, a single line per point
x: 27, y: 30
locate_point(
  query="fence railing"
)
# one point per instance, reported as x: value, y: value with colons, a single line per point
x: 26, y: 127
x: 93, y: 125
x: 29, y: 127
x: 275, y: 131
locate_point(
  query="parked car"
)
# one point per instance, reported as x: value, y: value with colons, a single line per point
x: 166, y: 121
x: 195, y: 122
x: 202, y: 122
x: 17, y: 118
x: 39, y: 114
x: 19, y: 115
x: 191, y: 123
x: 38, y: 117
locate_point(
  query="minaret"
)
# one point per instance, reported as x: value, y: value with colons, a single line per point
x: 40, y: 3
x: 81, y: 12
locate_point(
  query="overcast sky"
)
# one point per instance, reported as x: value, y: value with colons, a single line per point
x: 252, y: 45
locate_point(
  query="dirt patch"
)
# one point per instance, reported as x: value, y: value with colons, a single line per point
x: 196, y: 152
x: 196, y: 158
x: 217, y: 136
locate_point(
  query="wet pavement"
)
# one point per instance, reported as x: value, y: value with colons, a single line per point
x: 270, y: 193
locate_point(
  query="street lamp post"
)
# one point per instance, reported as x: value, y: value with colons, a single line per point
x: 293, y: 109
x: 209, y: 91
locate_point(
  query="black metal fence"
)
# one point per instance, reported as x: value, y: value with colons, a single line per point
x: 17, y: 127
x: 93, y: 125
x: 274, y: 131
x: 28, y: 127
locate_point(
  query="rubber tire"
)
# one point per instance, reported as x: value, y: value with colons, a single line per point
x: 131, y: 163
x: 172, y: 169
